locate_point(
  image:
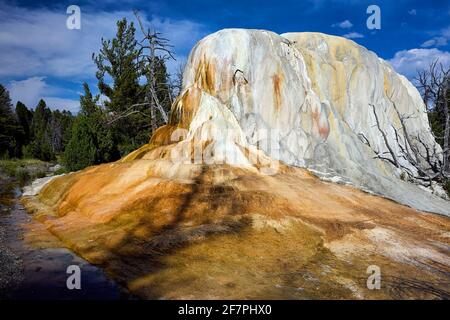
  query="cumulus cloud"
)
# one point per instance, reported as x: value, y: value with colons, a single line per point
x: 36, y: 42
x: 31, y: 90
x: 346, y: 24
x: 407, y: 62
x: 353, y: 35
x: 28, y: 91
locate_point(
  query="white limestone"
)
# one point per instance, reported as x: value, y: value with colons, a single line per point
x: 36, y: 186
x: 316, y: 90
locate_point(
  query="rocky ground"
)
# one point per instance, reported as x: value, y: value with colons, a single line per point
x: 10, y: 266
x: 11, y: 269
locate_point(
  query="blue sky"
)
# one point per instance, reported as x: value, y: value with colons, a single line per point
x: 41, y: 58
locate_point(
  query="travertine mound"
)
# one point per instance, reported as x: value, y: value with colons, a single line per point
x: 317, y: 90
x: 218, y: 206
x: 310, y: 100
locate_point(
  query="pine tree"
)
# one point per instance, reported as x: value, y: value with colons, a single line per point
x: 60, y: 129
x: 66, y: 121
x: 10, y: 131
x: 92, y: 141
x: 118, y: 60
x: 162, y: 88
x: 41, y: 147
x: 24, y: 116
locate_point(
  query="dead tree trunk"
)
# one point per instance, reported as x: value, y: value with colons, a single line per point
x: 151, y: 45
x: 386, y: 141
x: 447, y: 126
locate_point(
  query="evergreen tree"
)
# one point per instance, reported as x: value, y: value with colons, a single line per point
x: 66, y: 120
x: 60, y: 129
x: 117, y: 60
x: 80, y: 151
x: 92, y: 141
x: 41, y: 147
x: 10, y: 131
x: 162, y: 88
x: 24, y: 116
x: 163, y: 93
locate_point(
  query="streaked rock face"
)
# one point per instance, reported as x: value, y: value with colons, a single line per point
x: 308, y: 99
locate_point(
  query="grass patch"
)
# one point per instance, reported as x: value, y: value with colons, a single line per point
x: 61, y: 171
x: 21, y: 175
x: 24, y: 169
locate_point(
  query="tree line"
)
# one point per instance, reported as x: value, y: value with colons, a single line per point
x: 40, y: 133
x: 134, y: 99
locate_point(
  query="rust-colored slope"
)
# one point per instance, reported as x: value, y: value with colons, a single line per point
x: 194, y: 231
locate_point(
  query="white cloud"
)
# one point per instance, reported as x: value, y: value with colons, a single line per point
x: 62, y: 104
x: 435, y: 42
x: 36, y: 42
x: 446, y: 32
x: 407, y: 62
x: 31, y: 90
x: 28, y: 91
x: 438, y: 41
x: 412, y: 12
x: 353, y: 35
x: 346, y: 24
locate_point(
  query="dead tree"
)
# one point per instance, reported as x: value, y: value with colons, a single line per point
x: 153, y: 48
x: 394, y: 160
x: 408, y: 151
x: 434, y: 85
x: 177, y: 82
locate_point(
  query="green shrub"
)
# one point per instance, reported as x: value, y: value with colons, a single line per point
x: 7, y: 168
x: 81, y: 150
x: 22, y: 175
x: 27, y: 151
x: 61, y: 171
x: 446, y: 186
x: 39, y: 174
